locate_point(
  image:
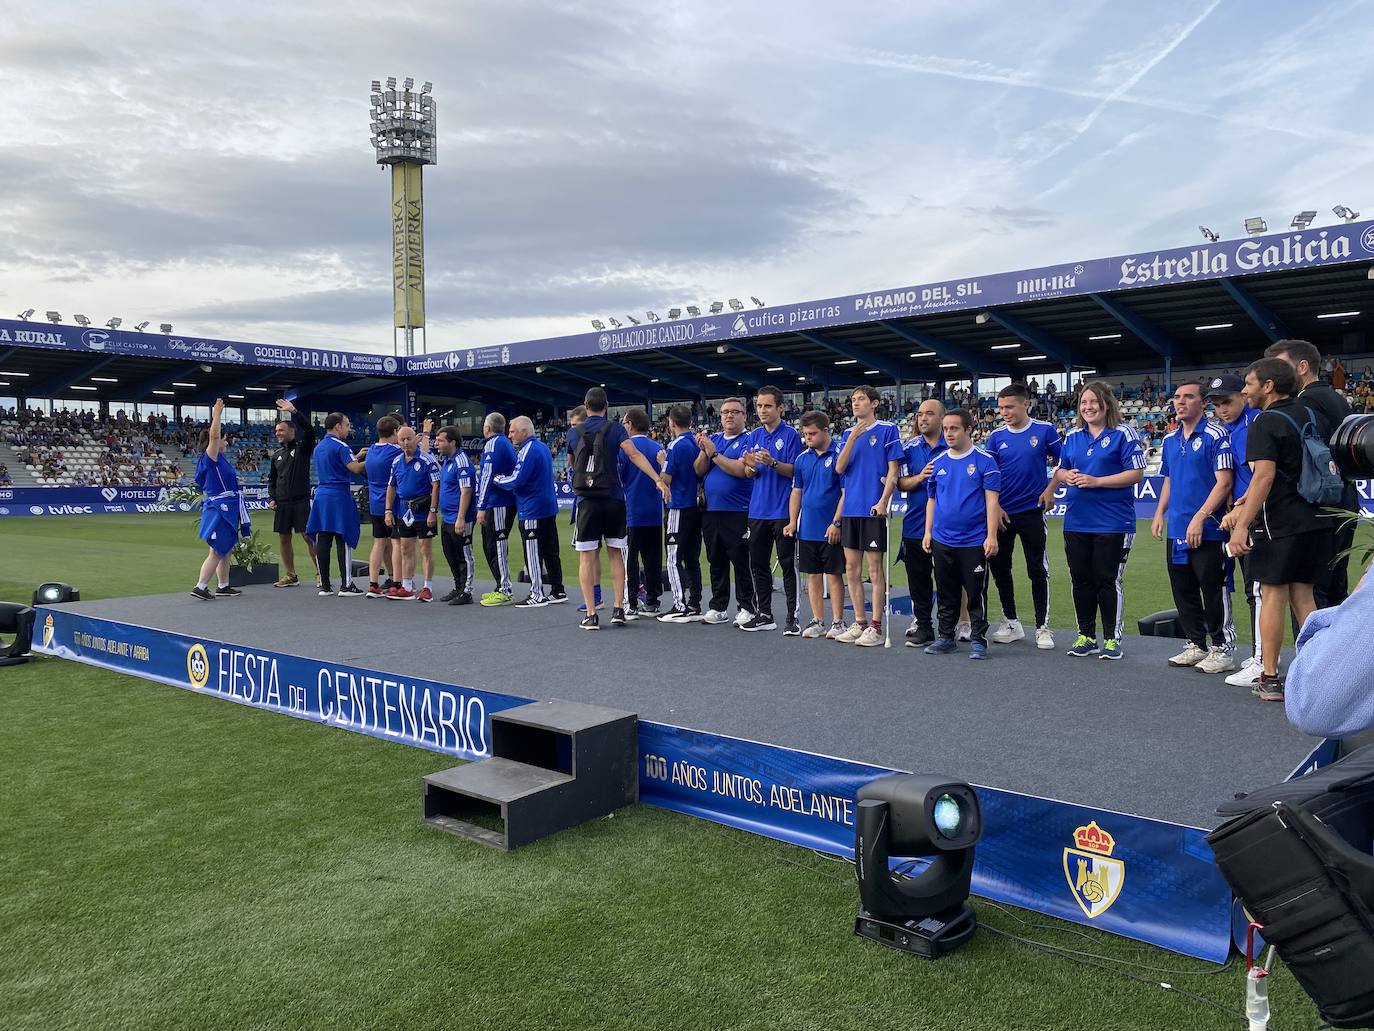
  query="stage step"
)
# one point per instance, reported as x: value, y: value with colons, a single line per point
x: 554, y: 765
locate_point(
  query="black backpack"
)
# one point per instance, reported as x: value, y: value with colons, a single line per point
x: 1320, y: 482
x: 594, y: 472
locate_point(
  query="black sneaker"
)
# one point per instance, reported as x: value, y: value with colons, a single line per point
x: 760, y: 622
x: 228, y: 592
x: 791, y: 629
x: 203, y: 593
x: 531, y: 602
x: 558, y: 597
x: 692, y: 615
x: 919, y: 637
x: 350, y: 590
x: 1267, y: 688
x: 390, y: 583
x: 325, y: 591
x: 448, y: 597
x: 672, y: 615
x: 650, y: 611
x: 462, y: 599
x: 592, y: 622
x: 617, y: 617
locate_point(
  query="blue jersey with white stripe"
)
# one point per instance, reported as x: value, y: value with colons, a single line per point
x: 1238, y: 431
x: 1191, y: 462
x: 877, y: 445
x: 919, y: 453
x: 531, y: 481
x: 680, y: 465
x: 726, y: 493
x: 455, y: 475
x: 813, y: 473
x: 377, y: 467
x: 772, y: 491
x: 498, y: 459
x: 332, y: 457
x: 1024, y: 457
x: 1101, y: 509
x: 643, y: 502
x: 414, y: 477
x: 961, y: 507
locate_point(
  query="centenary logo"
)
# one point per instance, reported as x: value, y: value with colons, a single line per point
x: 1367, y: 239
x: 655, y: 766
x: 95, y: 339
x: 604, y: 341
x: 198, y: 666
x: 109, y: 493
x: 1094, y: 877
x: 47, y: 631
x: 388, y: 365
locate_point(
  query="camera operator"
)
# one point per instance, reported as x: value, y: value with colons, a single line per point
x: 1331, y: 679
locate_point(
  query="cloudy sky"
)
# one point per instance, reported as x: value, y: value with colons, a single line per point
x: 209, y: 165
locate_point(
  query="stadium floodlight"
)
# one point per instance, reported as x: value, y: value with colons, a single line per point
x: 915, y: 816
x: 391, y: 82
x: 693, y: 310
x: 54, y: 317
x: 674, y: 313
x: 408, y: 83
x: 539, y: 369
x: 114, y: 323
x: 1255, y: 226
x: 652, y: 316
x: 717, y: 307
x: 598, y: 324
x: 211, y: 368
x: 735, y: 304
x: 1208, y: 235
x: 757, y: 302
x: 26, y: 313
x: 142, y: 325
x: 982, y: 318
x: 376, y: 85
x: 1348, y: 214
x: 81, y: 320
x: 615, y: 323
x: 722, y: 348
x: 1302, y: 220
x: 166, y: 327
x: 426, y: 87
x: 633, y: 321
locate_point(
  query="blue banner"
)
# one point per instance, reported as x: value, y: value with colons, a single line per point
x: 62, y: 501
x: 1144, y: 879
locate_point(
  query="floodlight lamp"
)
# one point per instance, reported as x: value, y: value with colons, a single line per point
x: 717, y: 307
x: 55, y: 594
x: 1302, y: 220
x: 142, y: 326
x: 756, y: 301
x: 539, y: 369
x: 982, y: 318
x: 408, y: 83
x: 17, y: 620
x: 652, y: 316
x: 376, y: 86
x: 426, y: 87
x: 615, y: 323
x: 81, y: 320
x: 693, y: 310
x: 166, y: 327
x: 1255, y: 226
x: 211, y: 368
x: 54, y: 317
x: 1348, y: 214
x: 735, y: 304
x: 391, y: 82
x: 674, y: 313
x: 598, y: 324
x: 1208, y: 235
x: 721, y: 348
x: 26, y: 313
x: 633, y: 321
x: 114, y: 323
x: 915, y: 816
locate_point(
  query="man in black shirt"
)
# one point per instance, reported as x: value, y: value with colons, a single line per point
x: 288, y: 486
x: 1333, y: 588
x: 1289, y: 543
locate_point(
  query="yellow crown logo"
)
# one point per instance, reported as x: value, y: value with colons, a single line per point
x: 1093, y: 838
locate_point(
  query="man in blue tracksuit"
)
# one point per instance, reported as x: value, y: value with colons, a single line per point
x: 536, y: 502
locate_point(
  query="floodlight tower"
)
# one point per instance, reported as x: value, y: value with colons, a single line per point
x: 403, y: 134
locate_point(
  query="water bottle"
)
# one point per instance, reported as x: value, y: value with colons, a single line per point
x: 1257, y: 998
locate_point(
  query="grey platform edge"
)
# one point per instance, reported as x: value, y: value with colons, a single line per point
x: 553, y: 765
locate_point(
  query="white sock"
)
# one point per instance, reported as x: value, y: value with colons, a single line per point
x: 202, y: 586
x: 409, y: 585
x: 429, y: 584
x: 223, y: 584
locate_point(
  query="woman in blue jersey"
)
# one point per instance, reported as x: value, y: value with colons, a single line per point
x: 1101, y: 462
x: 222, y: 516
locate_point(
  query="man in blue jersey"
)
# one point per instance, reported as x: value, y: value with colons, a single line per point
x: 1196, y: 466
x: 962, y: 516
x: 770, y: 449
x: 385, y: 544
x: 496, y: 506
x: 412, y: 509
x: 870, y: 461
x: 643, y: 521
x: 1024, y: 449
x: 536, y: 502
x: 814, y: 520
x: 597, y: 446
x: 1227, y: 394
x: 920, y: 454
x: 725, y: 524
x: 683, y: 530
x: 455, y: 510
x: 333, y: 512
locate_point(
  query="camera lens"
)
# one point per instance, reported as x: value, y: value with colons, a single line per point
x: 1352, y: 447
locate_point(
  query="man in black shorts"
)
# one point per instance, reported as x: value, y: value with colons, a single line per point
x: 596, y: 446
x: 288, y: 487
x: 1289, y: 543
x: 412, y: 508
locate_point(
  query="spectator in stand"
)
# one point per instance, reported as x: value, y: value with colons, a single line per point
x: 1338, y: 376
x: 5, y: 480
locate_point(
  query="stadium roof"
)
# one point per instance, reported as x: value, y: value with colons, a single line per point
x: 1216, y: 304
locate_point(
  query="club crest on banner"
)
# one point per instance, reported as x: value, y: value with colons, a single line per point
x: 1094, y: 877
x: 47, y: 631
x: 198, y: 666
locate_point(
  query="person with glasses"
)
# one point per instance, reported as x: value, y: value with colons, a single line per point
x: 725, y: 522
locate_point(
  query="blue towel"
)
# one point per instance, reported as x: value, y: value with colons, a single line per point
x: 219, y: 524
x: 334, y: 511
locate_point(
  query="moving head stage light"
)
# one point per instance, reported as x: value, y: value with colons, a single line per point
x: 914, y: 816
x: 16, y: 621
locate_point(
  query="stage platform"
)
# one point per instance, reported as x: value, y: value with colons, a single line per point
x: 1134, y: 736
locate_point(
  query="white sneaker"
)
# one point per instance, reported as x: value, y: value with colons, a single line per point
x: 743, y: 616
x: 963, y: 632
x: 852, y: 634
x: 836, y: 629
x: 1010, y: 630
x: 1247, y: 676
x: 1190, y: 656
x: 870, y: 638
x: 1044, y: 638
x: 814, y: 629
x: 715, y: 616
x: 1218, y: 660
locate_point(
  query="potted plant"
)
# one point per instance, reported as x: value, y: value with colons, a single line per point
x: 249, y: 561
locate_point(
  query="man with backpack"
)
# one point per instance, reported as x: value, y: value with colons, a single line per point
x: 596, y: 446
x: 1278, y: 522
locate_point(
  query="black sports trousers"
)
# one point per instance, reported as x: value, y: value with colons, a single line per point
x: 1097, y: 563
x: 1029, y: 527
x: 726, y: 547
x: 958, y: 570
x: 920, y: 580
x: 765, y: 535
x: 683, y: 536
